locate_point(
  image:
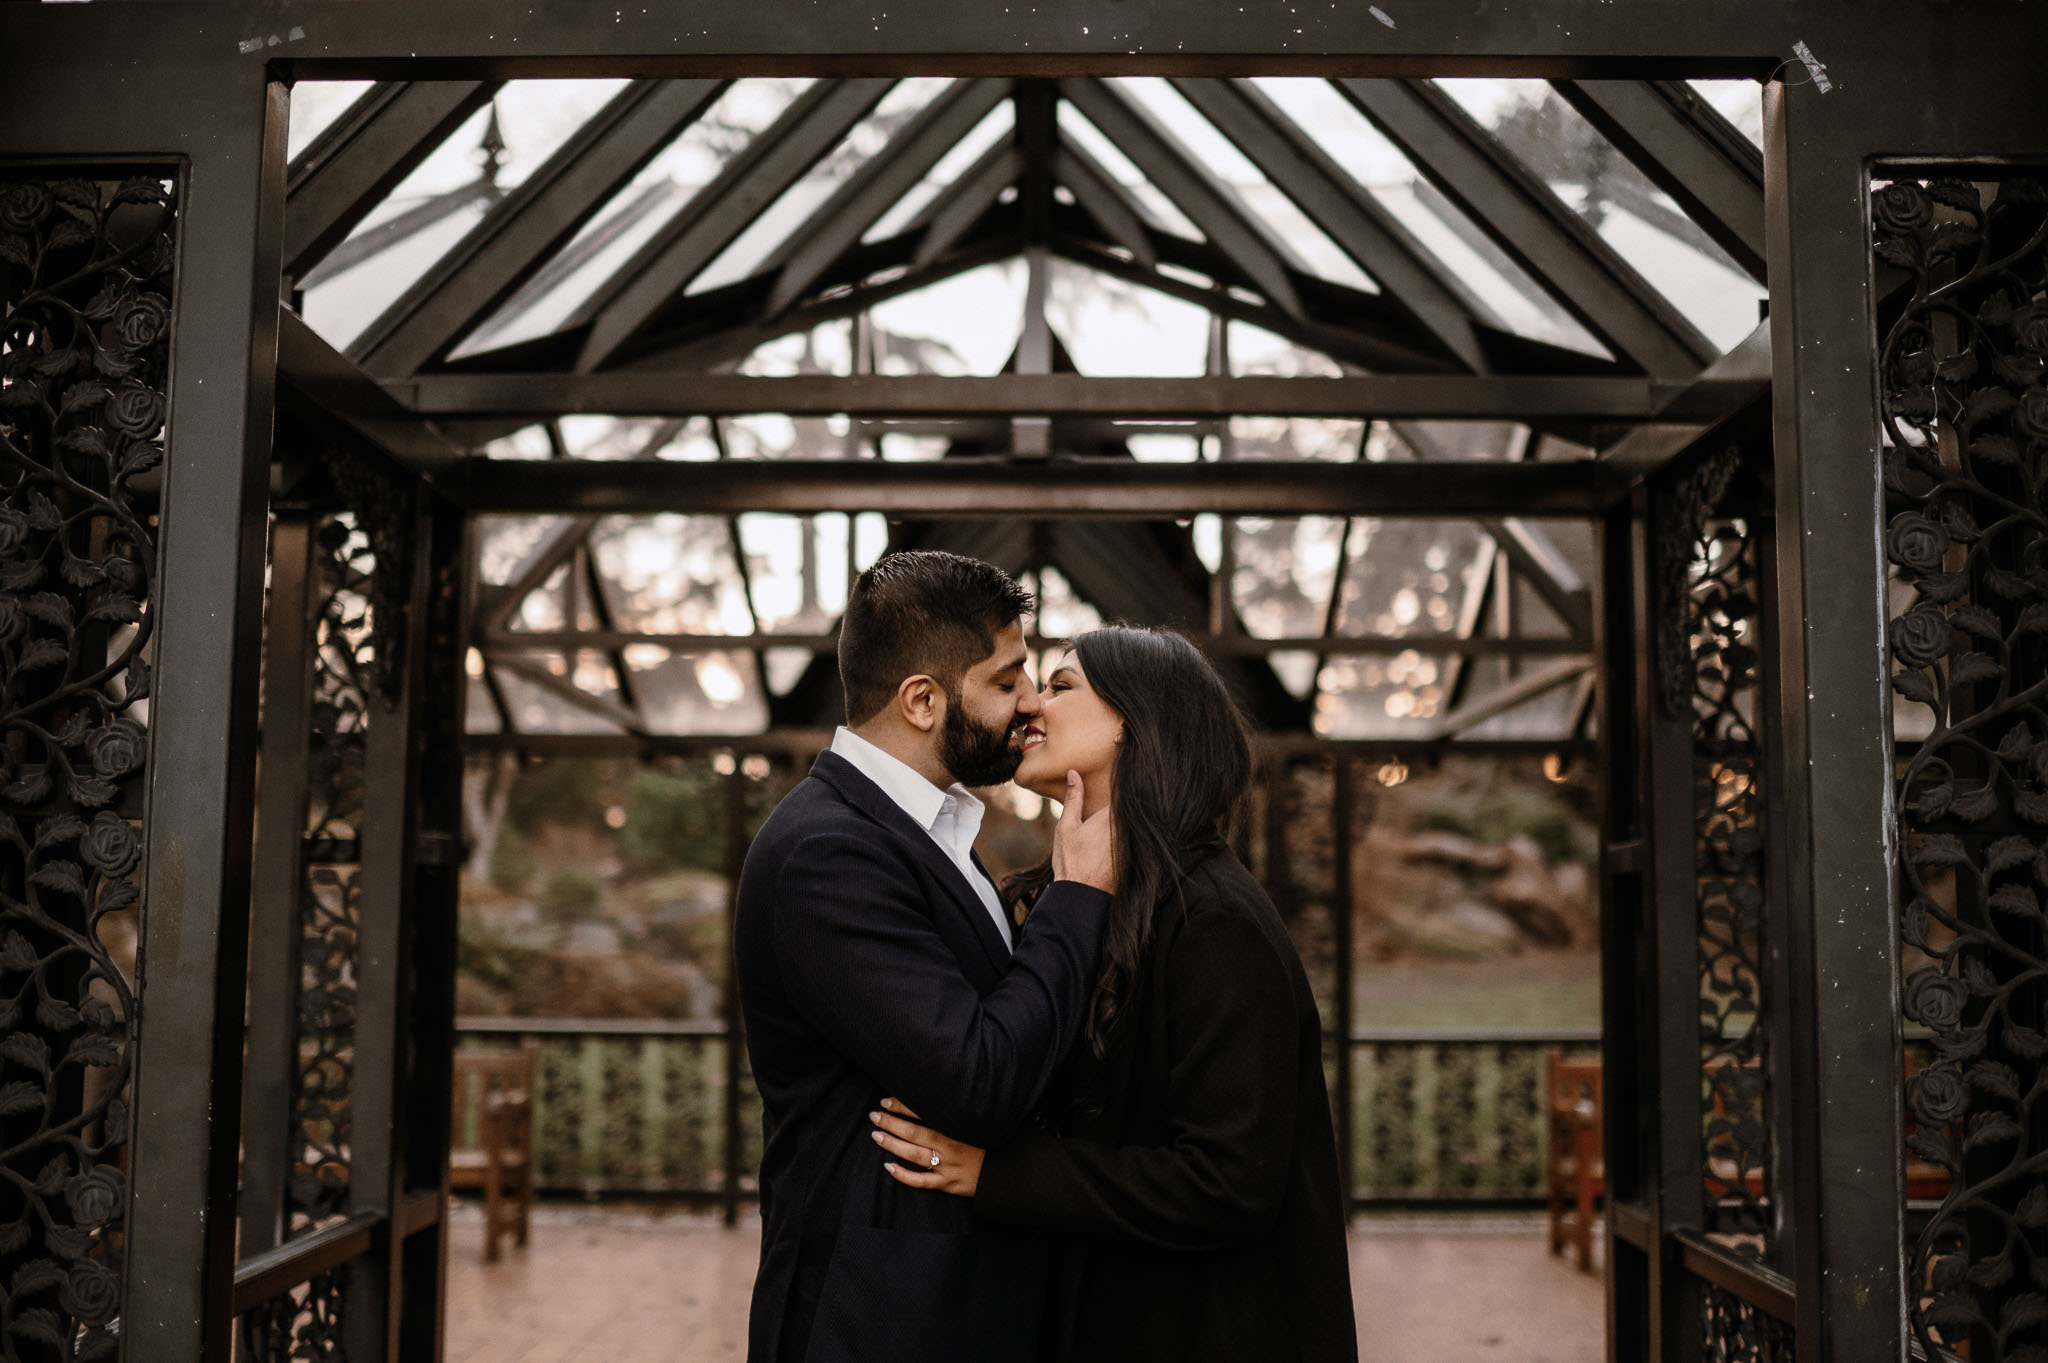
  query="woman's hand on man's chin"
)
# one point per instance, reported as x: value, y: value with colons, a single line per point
x: 927, y: 1158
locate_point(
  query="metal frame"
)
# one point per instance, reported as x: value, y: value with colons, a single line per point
x: 1853, y: 93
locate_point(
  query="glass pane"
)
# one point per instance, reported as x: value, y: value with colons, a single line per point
x: 825, y: 349
x: 1413, y: 578
x: 315, y: 106
x: 1152, y: 203
x: 504, y: 543
x: 796, y: 204
x: 1285, y: 571
x: 775, y: 436
x: 994, y: 126
x: 1110, y: 326
x: 1741, y: 102
x: 1493, y: 286
x: 797, y: 566
x: 1209, y: 148
x: 714, y: 692
x: 536, y: 710
x: 1062, y: 611
x: 651, y: 201
x: 1638, y: 220
x: 445, y: 196
x: 671, y: 574
x: 966, y: 324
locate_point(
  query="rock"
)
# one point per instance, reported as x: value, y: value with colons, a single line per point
x: 1463, y: 928
x: 1450, y: 848
x: 589, y: 938
x: 1526, y: 891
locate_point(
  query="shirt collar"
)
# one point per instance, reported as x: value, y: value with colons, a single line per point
x: 913, y: 794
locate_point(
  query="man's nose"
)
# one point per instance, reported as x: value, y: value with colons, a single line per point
x: 1027, y: 700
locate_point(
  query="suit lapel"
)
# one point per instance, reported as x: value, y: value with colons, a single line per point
x: 869, y: 798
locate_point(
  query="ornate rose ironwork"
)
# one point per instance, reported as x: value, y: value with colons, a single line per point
x: 1965, y: 459
x: 1739, y: 1333
x: 85, y: 281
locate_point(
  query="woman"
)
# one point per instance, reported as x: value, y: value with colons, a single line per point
x: 1190, y: 1166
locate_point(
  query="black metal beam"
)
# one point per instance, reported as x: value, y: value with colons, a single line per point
x: 316, y: 372
x: 1209, y: 203
x: 1105, y: 200
x: 1002, y: 488
x: 671, y: 393
x: 1685, y: 147
x: 961, y: 204
x: 519, y: 233
x: 358, y: 159
x: 749, y: 181
x: 1228, y: 645
x: 1338, y: 204
x: 883, y: 179
x: 1519, y: 212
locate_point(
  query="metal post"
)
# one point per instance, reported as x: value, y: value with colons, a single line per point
x: 1342, y: 906
x: 1837, y: 901
x: 735, y: 856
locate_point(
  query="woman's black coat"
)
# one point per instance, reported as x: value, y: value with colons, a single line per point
x: 1195, y: 1182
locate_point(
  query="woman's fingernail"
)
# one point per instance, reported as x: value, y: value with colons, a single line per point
x: 889, y: 1103
x: 877, y: 1136
x: 874, y: 1116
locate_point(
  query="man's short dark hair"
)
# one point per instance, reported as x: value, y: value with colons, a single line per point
x: 916, y: 612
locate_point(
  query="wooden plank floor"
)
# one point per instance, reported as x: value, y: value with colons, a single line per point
x: 614, y: 1285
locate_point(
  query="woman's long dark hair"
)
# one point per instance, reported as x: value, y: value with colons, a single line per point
x: 1179, y: 782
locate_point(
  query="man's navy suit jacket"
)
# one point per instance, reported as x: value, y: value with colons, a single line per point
x: 869, y: 967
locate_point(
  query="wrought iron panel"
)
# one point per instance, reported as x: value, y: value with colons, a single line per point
x: 1709, y: 672
x: 1965, y: 420
x: 344, y: 570
x: 85, y: 309
x: 1739, y: 1333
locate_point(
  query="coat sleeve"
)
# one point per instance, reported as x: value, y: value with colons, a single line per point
x: 1231, y: 1113
x: 863, y: 962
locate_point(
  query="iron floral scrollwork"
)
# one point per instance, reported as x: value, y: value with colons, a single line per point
x: 85, y: 287
x: 345, y: 570
x: 1722, y: 619
x: 1965, y: 417
x: 1739, y: 1333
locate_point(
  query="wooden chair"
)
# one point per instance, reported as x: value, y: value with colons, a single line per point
x: 497, y: 1087
x: 1576, y: 1172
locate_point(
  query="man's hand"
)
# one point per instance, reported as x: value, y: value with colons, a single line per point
x: 1084, y: 850
x: 930, y: 1160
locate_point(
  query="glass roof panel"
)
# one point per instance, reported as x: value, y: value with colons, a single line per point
x: 536, y: 710
x: 709, y: 692
x: 798, y: 568
x: 1642, y: 224
x: 636, y: 212
x: 445, y: 195
x: 1111, y: 326
x: 528, y: 442
x: 772, y: 435
x: 315, y: 106
x: 995, y: 125
x: 1151, y: 201
x: 1286, y: 569
x: 671, y: 574
x: 1243, y: 178
x: 825, y: 349
x: 693, y: 443
x: 505, y: 542
x: 1062, y: 611
x: 796, y: 204
x: 1497, y: 290
x: 1741, y: 102
x: 967, y: 323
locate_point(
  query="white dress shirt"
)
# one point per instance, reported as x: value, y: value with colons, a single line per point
x: 951, y: 816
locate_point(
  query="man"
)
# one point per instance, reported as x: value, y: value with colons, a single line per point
x: 874, y: 960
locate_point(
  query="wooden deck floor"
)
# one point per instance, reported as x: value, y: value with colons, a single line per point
x: 606, y: 1285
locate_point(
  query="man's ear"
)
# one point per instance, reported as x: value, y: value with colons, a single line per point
x: 921, y: 702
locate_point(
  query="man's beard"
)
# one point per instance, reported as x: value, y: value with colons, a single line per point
x: 975, y: 754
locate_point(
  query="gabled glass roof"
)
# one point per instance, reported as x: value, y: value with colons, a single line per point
x: 1182, y: 254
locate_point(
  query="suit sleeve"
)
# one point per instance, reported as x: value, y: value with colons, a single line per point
x: 862, y: 960
x: 1234, y: 1071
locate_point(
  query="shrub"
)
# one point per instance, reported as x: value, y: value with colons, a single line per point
x: 1494, y: 816
x: 571, y: 896
x: 512, y: 863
